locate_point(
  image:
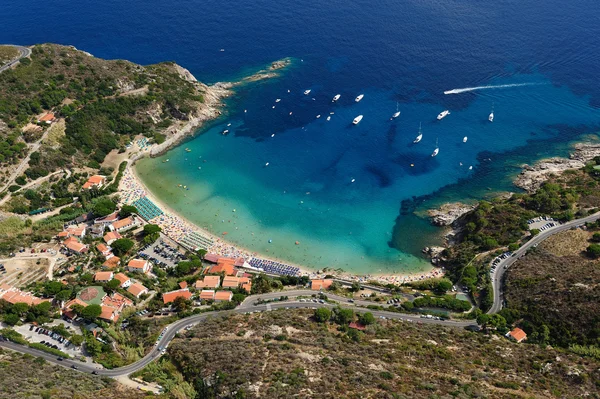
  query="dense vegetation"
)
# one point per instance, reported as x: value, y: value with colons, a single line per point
x: 284, y: 354
x: 89, y: 93
x: 24, y: 376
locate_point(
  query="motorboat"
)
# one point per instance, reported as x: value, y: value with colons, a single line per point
x: 465, y: 139
x: 420, y: 136
x: 359, y: 97
x: 491, y: 117
x: 336, y: 97
x: 318, y: 116
x: 279, y: 99
x: 267, y: 164
x: 328, y: 118
x: 353, y: 180
x: 357, y: 120
x: 306, y: 92
x: 443, y: 114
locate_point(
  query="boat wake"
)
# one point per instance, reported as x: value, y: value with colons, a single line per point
x: 467, y: 89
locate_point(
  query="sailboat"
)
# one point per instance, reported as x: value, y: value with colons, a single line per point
x: 437, y: 149
x: 491, y: 117
x: 396, y: 114
x: 420, y: 136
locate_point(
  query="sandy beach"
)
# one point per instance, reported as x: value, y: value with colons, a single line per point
x: 176, y: 227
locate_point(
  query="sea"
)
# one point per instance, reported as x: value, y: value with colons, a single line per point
x: 335, y: 194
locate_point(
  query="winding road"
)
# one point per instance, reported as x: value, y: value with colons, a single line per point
x: 246, y: 306
x: 498, y: 275
x: 23, y: 52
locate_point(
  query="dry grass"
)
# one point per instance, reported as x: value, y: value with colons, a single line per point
x: 56, y: 133
x: 567, y: 243
x: 8, y: 53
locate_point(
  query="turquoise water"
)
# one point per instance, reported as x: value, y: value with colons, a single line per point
x: 306, y: 193
x: 408, y: 52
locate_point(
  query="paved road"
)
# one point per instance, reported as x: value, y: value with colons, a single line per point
x: 249, y: 301
x: 24, y: 52
x: 180, y: 324
x: 498, y: 275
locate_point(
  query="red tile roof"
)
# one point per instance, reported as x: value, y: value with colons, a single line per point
x: 207, y: 295
x: 122, y: 223
x: 169, y: 297
x: 209, y: 282
x: 136, y: 289
x: 183, y: 284
x: 320, y: 284
x: 137, y: 264
x: 230, y: 282
x: 103, y: 276
x: 122, y: 278
x: 222, y: 268
x: 223, y: 295
x: 113, y: 235
x: 48, y: 117
x: 112, y: 262
x: 517, y: 334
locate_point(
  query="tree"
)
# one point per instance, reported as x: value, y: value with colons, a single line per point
x: 151, y: 229
x: 91, y: 312
x: 443, y: 285
x: 367, y: 319
x: 103, y: 207
x: 180, y: 304
x: 76, y: 339
x: 596, y: 237
x: 113, y: 284
x: 121, y: 246
x: 202, y: 253
x: 52, y: 288
x: 11, y: 319
x: 322, y: 315
x: 127, y: 210
x: 483, y: 320
x: 64, y: 295
x: 343, y: 316
x: 20, y: 308
x: 593, y: 250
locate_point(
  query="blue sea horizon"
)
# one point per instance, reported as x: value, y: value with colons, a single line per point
x: 348, y: 194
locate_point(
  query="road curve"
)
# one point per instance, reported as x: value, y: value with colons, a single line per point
x: 177, y: 326
x: 498, y: 275
x: 23, y: 52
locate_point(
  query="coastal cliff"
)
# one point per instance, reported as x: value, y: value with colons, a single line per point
x: 448, y: 213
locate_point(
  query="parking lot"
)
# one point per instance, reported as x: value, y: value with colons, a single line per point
x: 162, y: 253
x: 45, y: 336
x: 542, y: 223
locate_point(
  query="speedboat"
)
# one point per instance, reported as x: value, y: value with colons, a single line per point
x: 306, y: 92
x: 329, y: 118
x: 359, y: 97
x: 188, y: 150
x: 336, y: 97
x: 225, y: 132
x: 318, y: 116
x: 465, y: 139
x: 279, y: 99
x: 443, y: 114
x: 491, y: 117
x: 353, y: 180
x: 420, y: 136
x: 396, y: 114
x: 357, y: 120
x: 471, y: 167
x: 437, y: 149
x: 267, y: 164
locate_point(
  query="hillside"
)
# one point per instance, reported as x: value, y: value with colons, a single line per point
x: 284, y: 354
x: 105, y: 104
x: 555, y: 290
x: 26, y: 377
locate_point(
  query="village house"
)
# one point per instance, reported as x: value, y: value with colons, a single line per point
x: 138, y: 266
x: 111, y: 237
x: 104, y: 250
x: 123, y: 279
x: 517, y: 335
x: 221, y: 296
x: 207, y: 295
x: 137, y: 290
x: 97, y: 181
x: 169, y: 297
x: 75, y: 247
x: 123, y: 224
x: 208, y: 282
x: 47, y: 118
x: 14, y: 295
x: 103, y: 277
x: 231, y: 282
x: 107, y: 220
x: 76, y: 231
x: 111, y: 262
x: 224, y: 265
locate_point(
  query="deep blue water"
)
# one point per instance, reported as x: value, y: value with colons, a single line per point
x: 405, y: 52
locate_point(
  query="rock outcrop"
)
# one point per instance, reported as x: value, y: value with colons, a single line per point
x: 446, y: 214
x: 532, y: 177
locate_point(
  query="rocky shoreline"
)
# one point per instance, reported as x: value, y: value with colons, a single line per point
x: 532, y: 177
x: 448, y: 213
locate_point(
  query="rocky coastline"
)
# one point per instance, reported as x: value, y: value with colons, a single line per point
x: 532, y: 177
x: 448, y: 213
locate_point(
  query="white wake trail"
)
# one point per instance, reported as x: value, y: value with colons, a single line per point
x: 466, y: 89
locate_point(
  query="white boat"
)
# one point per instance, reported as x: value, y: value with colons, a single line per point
x: 318, y: 116
x: 491, y: 117
x: 225, y: 131
x: 267, y: 164
x: 353, y: 180
x: 273, y: 107
x: 279, y: 99
x: 336, y: 97
x: 396, y: 114
x: 465, y: 139
x: 420, y: 136
x: 329, y: 118
x: 470, y: 167
x: 229, y: 124
x: 437, y: 149
x: 359, y: 97
x: 306, y: 92
x: 273, y: 135
x: 443, y: 114
x: 357, y: 120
